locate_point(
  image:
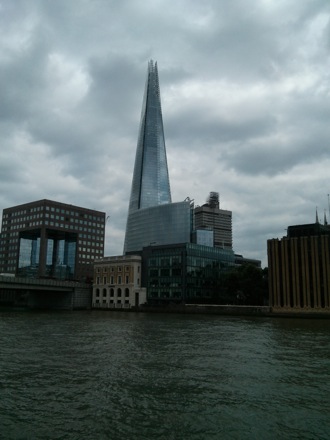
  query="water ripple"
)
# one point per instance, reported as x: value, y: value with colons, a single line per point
x: 95, y: 375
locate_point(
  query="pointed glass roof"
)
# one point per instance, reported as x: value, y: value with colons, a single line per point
x: 150, y: 184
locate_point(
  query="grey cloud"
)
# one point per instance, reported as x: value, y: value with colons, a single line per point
x: 249, y: 146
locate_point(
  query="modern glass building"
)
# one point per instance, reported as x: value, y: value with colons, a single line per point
x: 186, y: 273
x: 152, y: 218
x: 163, y: 224
x: 150, y: 184
x: 51, y: 239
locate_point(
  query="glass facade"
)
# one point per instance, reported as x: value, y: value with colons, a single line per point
x: 29, y: 250
x: 151, y: 216
x: 187, y: 273
x: 158, y: 225
x: 60, y: 254
x: 150, y: 184
x: 204, y: 237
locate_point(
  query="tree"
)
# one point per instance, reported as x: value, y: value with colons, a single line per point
x: 247, y: 285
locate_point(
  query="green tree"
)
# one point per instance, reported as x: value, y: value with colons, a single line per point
x: 247, y: 285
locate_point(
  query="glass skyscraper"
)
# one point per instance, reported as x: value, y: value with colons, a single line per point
x: 152, y: 218
x: 150, y: 185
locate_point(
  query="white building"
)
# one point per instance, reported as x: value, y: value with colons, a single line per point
x: 117, y: 282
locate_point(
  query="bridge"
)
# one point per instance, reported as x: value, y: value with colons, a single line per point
x: 44, y: 293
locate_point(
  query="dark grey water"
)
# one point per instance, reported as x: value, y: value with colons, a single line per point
x: 106, y: 375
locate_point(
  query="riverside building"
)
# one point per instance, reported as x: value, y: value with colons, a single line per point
x: 48, y: 239
x: 117, y: 282
x: 299, y: 270
x: 186, y: 273
x: 185, y: 251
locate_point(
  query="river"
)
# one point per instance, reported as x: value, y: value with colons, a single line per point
x: 117, y: 375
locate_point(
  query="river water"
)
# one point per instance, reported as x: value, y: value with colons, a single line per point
x: 113, y: 375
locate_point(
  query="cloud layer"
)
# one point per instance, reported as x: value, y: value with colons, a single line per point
x: 245, y: 91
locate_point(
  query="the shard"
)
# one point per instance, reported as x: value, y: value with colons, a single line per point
x: 150, y: 185
x: 152, y: 218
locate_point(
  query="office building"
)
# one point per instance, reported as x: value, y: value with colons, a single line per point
x: 152, y: 218
x: 52, y: 240
x: 210, y: 217
x: 186, y: 273
x: 117, y: 283
x: 163, y: 224
x: 299, y: 270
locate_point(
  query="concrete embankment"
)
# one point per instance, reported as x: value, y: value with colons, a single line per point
x: 230, y: 310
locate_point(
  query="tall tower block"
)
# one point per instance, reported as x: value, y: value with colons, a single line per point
x: 150, y: 184
x: 152, y: 217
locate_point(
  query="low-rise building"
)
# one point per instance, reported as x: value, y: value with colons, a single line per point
x: 117, y: 282
x: 186, y: 273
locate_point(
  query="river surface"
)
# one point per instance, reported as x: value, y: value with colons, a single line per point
x: 112, y: 375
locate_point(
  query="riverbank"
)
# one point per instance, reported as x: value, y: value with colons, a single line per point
x: 235, y: 310
x: 209, y: 309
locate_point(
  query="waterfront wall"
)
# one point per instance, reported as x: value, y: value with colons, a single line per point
x: 209, y: 309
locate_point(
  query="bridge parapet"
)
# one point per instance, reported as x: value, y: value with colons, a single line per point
x: 20, y: 282
x: 44, y: 293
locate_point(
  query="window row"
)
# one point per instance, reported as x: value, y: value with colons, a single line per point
x: 112, y: 302
x: 115, y: 268
x: 112, y: 292
x: 112, y: 280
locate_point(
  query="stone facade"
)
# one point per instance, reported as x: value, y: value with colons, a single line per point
x: 117, y: 283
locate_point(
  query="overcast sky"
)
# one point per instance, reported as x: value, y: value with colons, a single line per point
x: 245, y: 88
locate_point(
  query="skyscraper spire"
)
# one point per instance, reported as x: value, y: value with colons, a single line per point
x: 150, y: 184
x: 152, y: 217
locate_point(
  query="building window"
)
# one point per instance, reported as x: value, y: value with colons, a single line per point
x: 97, y: 292
x: 104, y: 292
x: 126, y: 292
x: 111, y: 279
x: 97, y: 280
x: 104, y: 280
x: 127, y: 279
x: 119, y: 292
x: 112, y: 292
x: 119, y: 279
